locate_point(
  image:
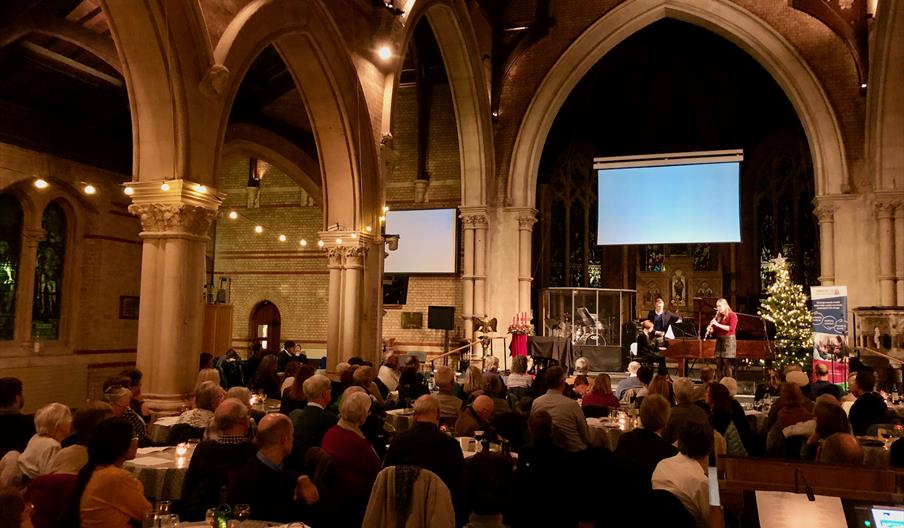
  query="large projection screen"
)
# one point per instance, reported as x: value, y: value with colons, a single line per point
x: 669, y: 199
x: 426, y: 241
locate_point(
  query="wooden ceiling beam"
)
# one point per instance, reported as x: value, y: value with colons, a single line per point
x: 43, y: 54
x: 100, y: 45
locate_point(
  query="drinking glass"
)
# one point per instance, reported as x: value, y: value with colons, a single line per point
x: 241, y: 511
x: 168, y: 521
x: 210, y: 516
x: 163, y: 507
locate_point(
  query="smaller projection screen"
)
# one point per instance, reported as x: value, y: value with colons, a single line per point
x: 669, y: 199
x: 426, y: 241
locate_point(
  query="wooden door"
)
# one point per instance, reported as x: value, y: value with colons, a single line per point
x: 265, y: 324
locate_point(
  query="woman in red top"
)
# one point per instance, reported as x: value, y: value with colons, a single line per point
x: 723, y: 326
x: 600, y: 394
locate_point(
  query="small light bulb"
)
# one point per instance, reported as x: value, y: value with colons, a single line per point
x: 89, y: 189
x: 382, y: 219
x: 233, y: 215
x: 200, y: 188
x: 303, y: 242
x: 282, y: 238
x: 385, y: 53
x: 320, y: 243
x: 258, y: 229
x: 338, y: 241
x: 368, y: 229
x: 41, y: 183
x: 164, y: 187
x: 354, y: 236
x: 385, y: 209
x: 129, y: 191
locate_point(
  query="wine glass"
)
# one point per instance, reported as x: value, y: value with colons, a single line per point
x: 241, y: 511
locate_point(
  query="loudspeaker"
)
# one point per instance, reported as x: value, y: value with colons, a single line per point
x: 441, y: 317
x: 395, y: 289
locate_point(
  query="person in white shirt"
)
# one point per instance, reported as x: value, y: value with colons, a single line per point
x: 519, y: 376
x: 389, y: 372
x: 53, y: 422
x: 685, y: 474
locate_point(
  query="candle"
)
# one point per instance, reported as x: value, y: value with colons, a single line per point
x: 181, y: 449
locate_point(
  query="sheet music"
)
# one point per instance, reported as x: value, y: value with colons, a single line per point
x: 669, y: 334
x: 779, y: 509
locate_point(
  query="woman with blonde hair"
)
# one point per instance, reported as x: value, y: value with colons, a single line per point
x: 723, y: 327
x: 661, y: 385
x: 473, y: 384
x: 208, y: 374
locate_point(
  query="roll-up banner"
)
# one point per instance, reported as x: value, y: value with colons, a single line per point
x: 830, y: 330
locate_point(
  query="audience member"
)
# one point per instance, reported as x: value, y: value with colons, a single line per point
x: 896, y: 454
x: 631, y: 382
x: 425, y: 446
x: 770, y: 387
x: 830, y: 419
x: 205, y: 361
x: 488, y: 483
x: 600, y: 393
x: 822, y: 385
x: 450, y: 405
x: 212, y: 460
x: 581, y: 385
x: 566, y: 414
x: 635, y: 395
x: 137, y: 404
x: 15, y: 512
x: 208, y: 396
x: 581, y: 366
x: 289, y: 375
x: 707, y: 376
x: 539, y: 463
x: 53, y: 422
x: 494, y: 387
x: 389, y: 372
x: 290, y: 352
x: 644, y: 447
x: 119, y: 397
x: 840, y: 449
x: 720, y: 417
x: 107, y: 495
x: 870, y: 407
x: 411, y: 386
x: 17, y: 428
x: 266, y: 379
x: 254, y: 361
x: 271, y: 490
x: 72, y: 459
x: 491, y: 364
x: 476, y: 417
x: 662, y: 386
x: 473, y: 384
x: 312, y: 422
x: 373, y: 428
x: 519, y: 376
x: 848, y: 399
x: 354, y: 461
x: 293, y: 396
x: 791, y: 394
x: 364, y: 378
x: 208, y: 374
x: 685, y: 474
x: 685, y: 411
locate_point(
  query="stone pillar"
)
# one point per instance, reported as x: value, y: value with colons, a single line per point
x: 474, y: 269
x: 25, y: 289
x: 334, y: 307
x: 347, y: 252
x: 825, y: 214
x: 899, y: 253
x: 352, y: 301
x: 526, y: 220
x: 467, y: 275
x: 885, y: 211
x: 480, y: 265
x: 171, y: 314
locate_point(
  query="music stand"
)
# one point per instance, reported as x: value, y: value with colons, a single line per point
x: 683, y: 329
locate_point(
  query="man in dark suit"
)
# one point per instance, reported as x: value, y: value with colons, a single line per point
x: 213, y: 460
x: 661, y: 318
x: 643, y: 448
x: 822, y: 385
x: 17, y: 428
x: 290, y: 352
x: 424, y: 445
x: 312, y: 422
x: 275, y: 493
x: 869, y: 408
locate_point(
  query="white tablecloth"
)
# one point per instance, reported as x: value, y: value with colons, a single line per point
x: 159, y: 430
x: 161, y: 473
x: 609, y: 431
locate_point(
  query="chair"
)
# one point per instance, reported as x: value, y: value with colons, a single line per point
x: 319, y: 465
x: 10, y: 474
x: 183, y: 432
x: 428, y: 504
x: 50, y: 495
x: 665, y: 509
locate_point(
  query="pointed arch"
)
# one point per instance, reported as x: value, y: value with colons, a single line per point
x: 885, y: 106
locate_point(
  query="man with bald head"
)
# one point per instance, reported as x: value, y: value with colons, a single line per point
x: 212, y: 460
x: 273, y: 491
x: 425, y: 446
x: 476, y: 417
x: 840, y: 449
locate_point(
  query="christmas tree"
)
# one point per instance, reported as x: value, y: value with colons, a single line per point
x: 786, y: 306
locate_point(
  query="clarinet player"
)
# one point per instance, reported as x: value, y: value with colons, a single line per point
x: 723, y: 327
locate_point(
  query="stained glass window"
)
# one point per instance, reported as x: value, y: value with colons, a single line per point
x: 45, y: 319
x: 10, y: 245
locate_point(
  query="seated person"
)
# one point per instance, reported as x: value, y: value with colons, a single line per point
x: 213, y: 459
x: 488, y: 483
x: 600, y: 393
x: 822, y: 385
x: 635, y: 395
x: 519, y: 376
x: 17, y: 428
x: 540, y: 462
x: 272, y: 491
x: 208, y: 396
x: 389, y: 372
x: 312, y: 422
x: 685, y: 411
x: 840, y: 449
x: 135, y: 377
x: 14, y: 510
x: 869, y: 408
x: 644, y: 447
x: 450, y: 405
x: 770, y: 387
x: 364, y: 378
x: 119, y: 399
x: 494, y: 387
x: 581, y: 385
x: 53, y: 422
x: 830, y: 419
x: 631, y: 382
x: 647, y: 350
x: 71, y: 459
x: 411, y: 386
x: 476, y: 417
x: 685, y: 474
x: 567, y: 416
x: 293, y: 395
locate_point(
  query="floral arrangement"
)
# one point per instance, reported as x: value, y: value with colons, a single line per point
x: 521, y: 324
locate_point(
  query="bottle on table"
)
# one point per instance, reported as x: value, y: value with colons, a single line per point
x: 223, y: 513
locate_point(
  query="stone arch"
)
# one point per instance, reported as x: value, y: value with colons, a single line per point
x: 312, y: 48
x: 245, y: 140
x: 722, y: 17
x: 885, y: 107
x: 458, y: 45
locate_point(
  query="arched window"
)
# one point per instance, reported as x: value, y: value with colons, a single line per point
x: 10, y: 245
x: 51, y: 254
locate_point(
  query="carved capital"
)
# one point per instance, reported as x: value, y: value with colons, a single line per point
x: 173, y: 219
x: 885, y: 208
x: 215, y: 81
x: 31, y: 236
x: 526, y: 221
x: 474, y: 220
x: 825, y: 213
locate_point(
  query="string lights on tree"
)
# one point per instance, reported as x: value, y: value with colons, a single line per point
x: 785, y: 305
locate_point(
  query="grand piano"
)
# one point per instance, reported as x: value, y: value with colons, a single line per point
x: 754, y: 335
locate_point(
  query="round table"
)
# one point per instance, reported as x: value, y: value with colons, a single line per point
x: 159, y: 431
x: 610, y: 430
x: 160, y: 471
x: 756, y: 419
x: 399, y: 419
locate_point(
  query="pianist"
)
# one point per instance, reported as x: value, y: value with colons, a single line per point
x: 647, y: 351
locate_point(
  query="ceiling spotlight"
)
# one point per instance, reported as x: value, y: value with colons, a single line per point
x: 863, y: 86
x: 41, y: 183
x: 354, y: 236
x: 320, y: 243
x: 258, y: 229
x: 129, y: 191
x: 385, y: 53
x: 282, y: 238
x: 200, y: 188
x: 303, y: 242
x: 233, y: 215
x: 382, y: 219
x: 89, y: 189
x: 164, y: 187
x: 385, y: 209
x: 368, y: 229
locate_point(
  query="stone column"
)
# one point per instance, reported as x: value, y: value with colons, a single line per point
x: 899, y: 253
x: 334, y: 307
x: 825, y: 214
x: 526, y: 220
x: 480, y: 265
x: 885, y: 211
x: 474, y: 269
x: 25, y: 289
x: 347, y: 251
x: 467, y: 275
x: 352, y: 301
x: 171, y: 314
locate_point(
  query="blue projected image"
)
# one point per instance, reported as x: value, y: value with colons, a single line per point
x: 671, y: 204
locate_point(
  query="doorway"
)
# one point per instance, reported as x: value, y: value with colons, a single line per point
x: 265, y: 322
